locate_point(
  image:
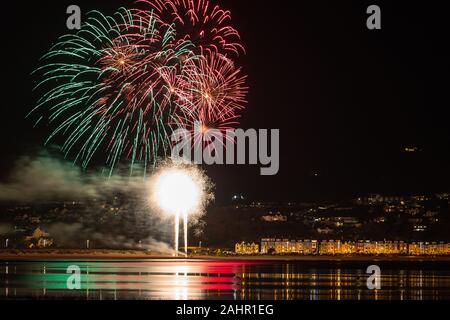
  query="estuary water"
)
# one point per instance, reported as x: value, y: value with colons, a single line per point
x: 224, y: 280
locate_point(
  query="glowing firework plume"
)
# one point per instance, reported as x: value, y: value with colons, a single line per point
x: 116, y: 90
x: 183, y: 191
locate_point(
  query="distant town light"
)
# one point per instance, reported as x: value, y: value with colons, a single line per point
x: 412, y: 149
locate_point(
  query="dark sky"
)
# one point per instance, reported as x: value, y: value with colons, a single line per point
x: 347, y: 100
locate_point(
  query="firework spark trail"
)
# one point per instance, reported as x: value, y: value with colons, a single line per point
x: 177, y: 232
x: 185, y: 229
x: 217, y: 89
x: 114, y: 95
x: 117, y: 89
x: 199, y: 21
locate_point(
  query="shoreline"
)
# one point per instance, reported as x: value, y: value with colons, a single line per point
x: 8, y: 255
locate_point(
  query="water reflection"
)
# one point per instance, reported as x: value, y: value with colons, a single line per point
x: 234, y: 280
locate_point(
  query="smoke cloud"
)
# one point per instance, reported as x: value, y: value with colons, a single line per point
x: 5, y: 228
x: 75, y: 236
x: 43, y: 178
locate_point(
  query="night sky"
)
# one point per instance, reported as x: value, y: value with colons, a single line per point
x: 347, y: 100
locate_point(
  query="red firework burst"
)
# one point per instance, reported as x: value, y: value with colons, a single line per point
x: 214, y: 92
x: 204, y: 24
x: 216, y: 87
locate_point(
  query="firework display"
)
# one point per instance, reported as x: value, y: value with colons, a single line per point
x: 182, y: 191
x: 115, y: 90
x: 201, y: 22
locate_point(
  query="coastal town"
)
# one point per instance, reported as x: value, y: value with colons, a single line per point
x: 337, y: 247
x: 370, y: 225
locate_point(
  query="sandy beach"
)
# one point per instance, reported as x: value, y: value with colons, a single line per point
x: 135, y: 254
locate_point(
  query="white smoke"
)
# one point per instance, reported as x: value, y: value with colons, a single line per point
x: 43, y: 178
x: 75, y: 235
x: 5, y: 228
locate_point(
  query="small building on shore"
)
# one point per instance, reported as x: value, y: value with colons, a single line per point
x: 246, y: 248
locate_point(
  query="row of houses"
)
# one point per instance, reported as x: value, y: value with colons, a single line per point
x: 337, y: 247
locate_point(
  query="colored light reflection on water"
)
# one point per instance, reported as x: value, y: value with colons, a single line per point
x: 234, y: 280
